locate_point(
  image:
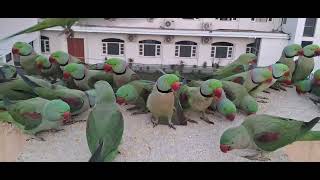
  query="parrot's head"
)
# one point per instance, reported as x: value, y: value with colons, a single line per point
x: 249, y: 104
x: 262, y: 74
x: 60, y: 57
x: 57, y: 110
x: 8, y: 71
x: 22, y: 49
x: 42, y: 62
x: 212, y: 88
x: 311, y: 50
x: 118, y: 66
x: 227, y: 109
x: 126, y: 93
x: 168, y: 83
x: 249, y: 58
x: 234, y: 138
x: 303, y: 86
x: 316, y: 77
x: 279, y: 70
x: 74, y: 70
x: 293, y: 50
x: 104, y: 92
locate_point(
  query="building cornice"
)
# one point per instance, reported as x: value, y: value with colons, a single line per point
x: 176, y: 32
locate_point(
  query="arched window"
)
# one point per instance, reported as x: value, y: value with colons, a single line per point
x: 251, y: 48
x: 185, y: 49
x: 149, y: 48
x: 45, y: 47
x: 112, y: 46
x: 222, y: 50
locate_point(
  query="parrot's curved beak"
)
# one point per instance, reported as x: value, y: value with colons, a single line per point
x: 66, y: 117
x: 66, y: 75
x: 15, y: 51
x: 107, y: 68
x: 231, y: 117
x: 175, y: 86
x: 300, y: 52
x: 225, y: 148
x: 39, y: 65
x: 317, y: 52
x: 269, y: 80
x: 120, y: 100
x: 318, y: 82
x: 217, y: 92
x: 52, y: 59
x: 287, y: 82
x: 254, y: 61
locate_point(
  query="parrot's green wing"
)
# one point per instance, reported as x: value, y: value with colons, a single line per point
x: 47, y: 23
x: 237, y: 78
x: 270, y: 132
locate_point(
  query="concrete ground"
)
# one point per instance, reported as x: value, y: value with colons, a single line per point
x: 142, y: 142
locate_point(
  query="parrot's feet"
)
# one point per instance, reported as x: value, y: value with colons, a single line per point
x: 265, y: 91
x: 56, y: 130
x: 209, y: 112
x: 192, y: 121
x: 154, y: 121
x: 262, y: 101
x: 172, y: 126
x: 282, y: 88
x: 261, y: 97
x: 206, y: 119
x: 38, y: 138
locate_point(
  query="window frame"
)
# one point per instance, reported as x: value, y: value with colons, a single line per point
x: 157, y: 48
x: 45, y: 44
x: 193, y: 49
x: 314, y: 28
x: 104, y: 46
x: 230, y: 51
x: 307, y: 44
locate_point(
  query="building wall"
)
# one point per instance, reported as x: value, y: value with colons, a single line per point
x: 180, y: 23
x: 10, y: 26
x: 270, y: 49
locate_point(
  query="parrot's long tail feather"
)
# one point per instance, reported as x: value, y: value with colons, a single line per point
x: 28, y: 80
x: 96, y: 156
x: 310, y: 136
x: 309, y: 125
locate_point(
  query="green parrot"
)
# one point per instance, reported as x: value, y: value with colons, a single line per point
x: 316, y: 83
x: 305, y: 64
x: 266, y: 133
x: 303, y: 86
x: 136, y: 93
x: 5, y: 116
x: 288, y: 53
x: 245, y: 62
x: 122, y: 74
x: 240, y: 97
x: 24, y: 55
x: 199, y: 98
x: 104, y: 125
x: 65, y: 23
x: 37, y: 114
x: 252, y: 78
x: 7, y: 72
x: 310, y: 86
x: 48, y: 69
x: 161, y: 101
x: 224, y: 106
x: 76, y: 99
x: 17, y: 89
x: 63, y: 58
x: 278, y: 70
x: 83, y: 77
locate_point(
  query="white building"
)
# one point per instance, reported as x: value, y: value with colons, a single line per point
x: 303, y: 31
x: 171, y: 40
x: 10, y: 26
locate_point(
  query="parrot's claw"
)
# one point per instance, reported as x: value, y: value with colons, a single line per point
x: 206, y: 120
x: 261, y: 101
x: 154, y: 121
x: 209, y: 112
x: 257, y: 158
x: 38, y: 138
x: 265, y: 91
x: 192, y: 121
x: 56, y: 130
x: 316, y: 102
x: 172, y: 126
x: 282, y: 88
x: 260, y: 97
x: 274, y: 88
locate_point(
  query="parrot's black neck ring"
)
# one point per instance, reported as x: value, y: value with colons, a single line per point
x: 168, y: 91
x: 64, y: 64
x: 207, y: 96
x: 289, y: 56
x: 80, y: 78
x: 46, y: 68
x: 125, y: 70
x: 309, y: 56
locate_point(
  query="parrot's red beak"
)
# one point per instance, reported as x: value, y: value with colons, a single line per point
x: 318, y: 82
x: 217, y: 92
x: 66, y: 117
x: 231, y: 117
x: 66, y: 75
x: 107, y: 68
x: 287, y: 82
x: 269, y: 80
x: 175, y: 86
x: 300, y: 52
x: 317, y: 52
x: 120, y: 100
x: 225, y: 148
x: 255, y: 61
x: 15, y: 51
x: 52, y: 59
